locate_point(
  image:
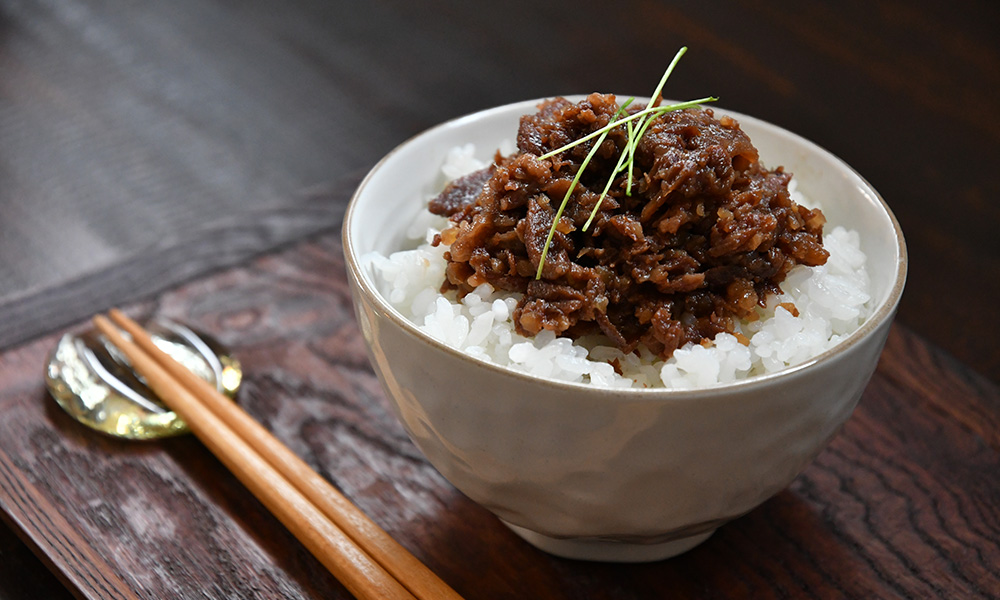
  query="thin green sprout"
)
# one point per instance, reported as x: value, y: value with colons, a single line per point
x: 629, y: 153
x: 618, y: 169
x: 666, y: 74
x: 633, y: 142
x: 633, y: 145
x: 638, y: 115
x: 627, y: 158
x: 602, y: 132
x: 569, y: 192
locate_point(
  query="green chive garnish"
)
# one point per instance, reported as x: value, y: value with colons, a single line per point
x: 625, y: 162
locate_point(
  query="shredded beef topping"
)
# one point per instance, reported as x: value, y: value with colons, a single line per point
x: 705, y: 236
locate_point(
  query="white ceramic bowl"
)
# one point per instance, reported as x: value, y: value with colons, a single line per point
x: 621, y: 475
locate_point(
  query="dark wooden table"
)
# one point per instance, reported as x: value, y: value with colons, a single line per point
x: 194, y: 158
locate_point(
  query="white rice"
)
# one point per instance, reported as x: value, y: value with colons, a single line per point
x: 832, y: 301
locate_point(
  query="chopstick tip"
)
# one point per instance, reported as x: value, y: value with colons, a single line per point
x: 123, y: 320
x: 100, y: 321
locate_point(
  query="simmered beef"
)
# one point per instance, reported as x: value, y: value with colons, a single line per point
x: 704, y: 236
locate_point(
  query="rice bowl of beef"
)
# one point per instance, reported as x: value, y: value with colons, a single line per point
x: 624, y: 472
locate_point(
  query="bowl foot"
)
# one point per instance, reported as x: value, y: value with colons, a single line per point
x: 606, y: 550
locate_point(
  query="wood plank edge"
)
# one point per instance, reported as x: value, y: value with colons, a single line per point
x: 41, y: 526
x: 39, y: 312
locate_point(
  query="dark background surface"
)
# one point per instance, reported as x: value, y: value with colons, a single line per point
x: 145, y: 144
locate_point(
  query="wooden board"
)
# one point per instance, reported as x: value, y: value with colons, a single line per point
x: 902, y: 503
x: 146, y: 144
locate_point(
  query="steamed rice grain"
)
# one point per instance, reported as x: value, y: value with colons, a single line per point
x: 832, y: 301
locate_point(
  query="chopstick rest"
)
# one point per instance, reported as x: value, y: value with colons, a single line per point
x: 356, y: 550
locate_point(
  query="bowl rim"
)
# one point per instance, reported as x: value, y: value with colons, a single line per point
x: 883, y: 313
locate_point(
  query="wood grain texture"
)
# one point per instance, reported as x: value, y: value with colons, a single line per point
x: 23, y: 574
x: 73, y: 557
x: 147, y: 144
x: 901, y: 504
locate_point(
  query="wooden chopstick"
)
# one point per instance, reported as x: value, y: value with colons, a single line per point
x: 393, y: 557
x: 356, y: 550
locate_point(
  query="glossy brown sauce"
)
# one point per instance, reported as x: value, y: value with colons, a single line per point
x: 705, y: 236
